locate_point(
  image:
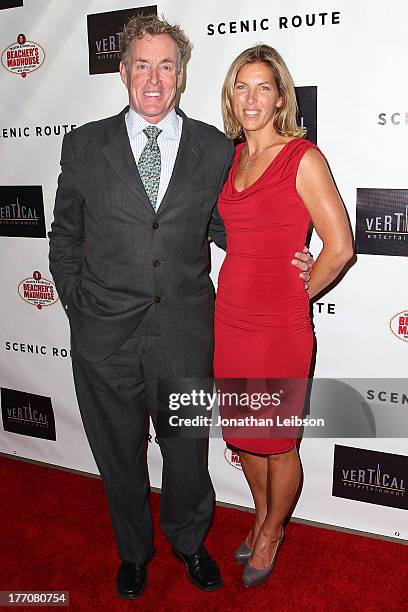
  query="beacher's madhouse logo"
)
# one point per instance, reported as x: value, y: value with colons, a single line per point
x: 23, y: 56
x: 399, y: 325
x: 232, y: 457
x: 370, y: 476
x: 38, y: 291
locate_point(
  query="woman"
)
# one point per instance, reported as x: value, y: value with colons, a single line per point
x: 278, y: 185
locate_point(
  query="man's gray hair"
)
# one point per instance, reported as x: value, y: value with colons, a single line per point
x: 140, y: 25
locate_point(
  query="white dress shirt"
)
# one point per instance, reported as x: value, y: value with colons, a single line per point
x: 168, y: 142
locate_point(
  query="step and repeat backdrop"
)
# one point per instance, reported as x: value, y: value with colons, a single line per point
x: 59, y: 70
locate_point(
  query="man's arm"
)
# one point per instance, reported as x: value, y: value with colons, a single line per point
x: 216, y: 229
x: 67, y: 230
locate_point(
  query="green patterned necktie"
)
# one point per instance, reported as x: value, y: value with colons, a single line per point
x: 149, y: 164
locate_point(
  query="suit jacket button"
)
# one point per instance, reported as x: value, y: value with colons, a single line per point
x: 156, y: 263
x: 157, y: 299
x: 155, y: 225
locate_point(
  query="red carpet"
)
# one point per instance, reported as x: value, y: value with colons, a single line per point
x: 55, y: 535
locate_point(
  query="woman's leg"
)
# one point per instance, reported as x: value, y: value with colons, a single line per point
x: 256, y: 472
x: 283, y: 477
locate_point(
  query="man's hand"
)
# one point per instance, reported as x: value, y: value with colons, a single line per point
x: 304, y: 261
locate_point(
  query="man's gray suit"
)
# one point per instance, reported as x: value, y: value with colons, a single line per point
x: 137, y: 292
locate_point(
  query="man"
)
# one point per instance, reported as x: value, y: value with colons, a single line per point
x: 140, y: 188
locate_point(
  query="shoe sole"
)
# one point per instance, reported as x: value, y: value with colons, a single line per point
x: 199, y: 586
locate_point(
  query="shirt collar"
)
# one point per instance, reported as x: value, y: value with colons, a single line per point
x: 170, y: 125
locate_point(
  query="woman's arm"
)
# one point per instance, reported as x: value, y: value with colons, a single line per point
x: 315, y: 186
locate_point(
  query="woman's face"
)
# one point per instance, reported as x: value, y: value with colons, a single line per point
x: 255, y: 97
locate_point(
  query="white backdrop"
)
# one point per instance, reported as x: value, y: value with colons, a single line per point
x: 357, y: 65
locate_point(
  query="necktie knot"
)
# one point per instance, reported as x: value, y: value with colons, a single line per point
x: 152, y: 132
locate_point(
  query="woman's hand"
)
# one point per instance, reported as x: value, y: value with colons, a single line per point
x: 304, y: 261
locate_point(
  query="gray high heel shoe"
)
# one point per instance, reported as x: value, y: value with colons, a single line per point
x: 243, y: 553
x: 252, y: 576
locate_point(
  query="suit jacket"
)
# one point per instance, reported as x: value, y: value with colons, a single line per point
x: 112, y: 257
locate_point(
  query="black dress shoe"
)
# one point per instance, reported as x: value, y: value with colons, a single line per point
x: 132, y: 579
x: 202, y: 570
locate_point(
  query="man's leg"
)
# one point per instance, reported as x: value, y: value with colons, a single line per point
x: 187, y: 495
x: 111, y: 397
x: 187, y: 502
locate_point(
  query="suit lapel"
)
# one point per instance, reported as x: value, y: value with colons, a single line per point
x: 188, y: 158
x: 119, y: 154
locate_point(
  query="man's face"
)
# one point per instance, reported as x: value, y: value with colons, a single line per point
x: 152, y: 76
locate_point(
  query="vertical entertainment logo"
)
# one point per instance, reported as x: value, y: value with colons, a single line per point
x: 307, y: 104
x: 382, y: 222
x: 104, y: 36
x: 22, y: 211
x: 370, y: 476
x: 6, y: 4
x: 27, y: 414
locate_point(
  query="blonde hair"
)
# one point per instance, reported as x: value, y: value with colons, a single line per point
x: 140, y: 25
x: 285, y: 118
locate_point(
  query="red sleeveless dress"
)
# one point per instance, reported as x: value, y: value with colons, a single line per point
x: 262, y: 321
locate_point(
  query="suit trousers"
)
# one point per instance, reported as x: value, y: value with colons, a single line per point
x: 115, y: 397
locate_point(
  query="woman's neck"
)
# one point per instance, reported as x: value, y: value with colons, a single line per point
x: 261, y: 138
